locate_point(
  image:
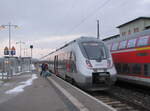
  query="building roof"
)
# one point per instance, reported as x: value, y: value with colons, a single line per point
x: 112, y: 37
x: 133, y: 21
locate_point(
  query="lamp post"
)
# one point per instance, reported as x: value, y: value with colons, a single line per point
x: 9, y: 25
x: 31, y: 47
x: 9, y: 30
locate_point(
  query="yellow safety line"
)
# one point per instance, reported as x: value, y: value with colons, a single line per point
x: 142, y: 48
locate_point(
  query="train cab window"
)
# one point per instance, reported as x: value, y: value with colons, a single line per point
x: 147, y: 70
x: 136, y: 68
x: 143, y: 41
x: 114, y: 46
x: 131, y: 43
x: 94, y: 50
x: 122, y: 44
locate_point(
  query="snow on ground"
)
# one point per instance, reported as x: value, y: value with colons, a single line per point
x: 20, y: 73
x: 4, y: 75
x: 14, y: 74
x: 27, y: 71
x: 20, y: 88
x: 1, y: 82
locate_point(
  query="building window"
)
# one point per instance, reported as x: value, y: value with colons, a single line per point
x: 123, y: 33
x: 136, y: 30
x: 129, y: 32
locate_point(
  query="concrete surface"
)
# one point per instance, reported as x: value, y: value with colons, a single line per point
x: 40, y: 96
x: 44, y: 95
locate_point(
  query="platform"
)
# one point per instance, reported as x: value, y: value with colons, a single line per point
x: 52, y: 94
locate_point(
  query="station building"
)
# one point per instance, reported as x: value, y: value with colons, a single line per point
x: 130, y: 28
x: 137, y: 25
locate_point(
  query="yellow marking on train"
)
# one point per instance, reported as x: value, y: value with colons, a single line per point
x: 143, y: 48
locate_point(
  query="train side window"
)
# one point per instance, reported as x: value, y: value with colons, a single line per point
x: 122, y: 44
x: 147, y: 69
x: 131, y: 43
x: 114, y: 46
x: 136, y: 68
x: 125, y: 68
x: 143, y: 41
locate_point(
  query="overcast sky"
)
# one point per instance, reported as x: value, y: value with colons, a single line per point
x: 48, y: 24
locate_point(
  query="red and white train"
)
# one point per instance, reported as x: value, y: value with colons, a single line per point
x: 131, y: 56
x: 86, y: 62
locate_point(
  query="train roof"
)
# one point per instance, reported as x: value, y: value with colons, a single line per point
x: 78, y: 40
x: 112, y: 37
x: 86, y: 39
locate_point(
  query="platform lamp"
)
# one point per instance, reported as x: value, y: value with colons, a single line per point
x: 31, y: 47
x: 9, y: 26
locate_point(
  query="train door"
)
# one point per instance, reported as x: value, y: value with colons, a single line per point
x: 72, y: 61
x: 70, y: 68
x: 56, y: 64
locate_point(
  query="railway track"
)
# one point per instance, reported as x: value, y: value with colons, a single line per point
x: 119, y: 105
x: 125, y: 98
x: 133, y: 96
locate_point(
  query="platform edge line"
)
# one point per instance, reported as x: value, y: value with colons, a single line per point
x: 102, y: 103
x: 74, y: 101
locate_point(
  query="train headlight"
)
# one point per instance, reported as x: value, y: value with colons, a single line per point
x: 88, y: 63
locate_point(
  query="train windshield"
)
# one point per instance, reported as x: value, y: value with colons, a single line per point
x: 94, y: 50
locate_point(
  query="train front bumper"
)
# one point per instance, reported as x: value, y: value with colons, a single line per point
x: 98, y: 81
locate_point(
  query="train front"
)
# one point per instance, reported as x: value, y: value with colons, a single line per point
x: 97, y: 67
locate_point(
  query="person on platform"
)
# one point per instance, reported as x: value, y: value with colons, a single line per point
x: 42, y: 69
x: 46, y: 72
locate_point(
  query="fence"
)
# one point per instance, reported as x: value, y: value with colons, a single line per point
x: 10, y: 66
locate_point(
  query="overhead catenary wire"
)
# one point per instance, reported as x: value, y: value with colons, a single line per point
x: 89, y: 15
x: 72, y: 5
x: 85, y: 18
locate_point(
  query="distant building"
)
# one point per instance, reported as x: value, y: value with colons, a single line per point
x: 112, y: 38
x: 137, y: 25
